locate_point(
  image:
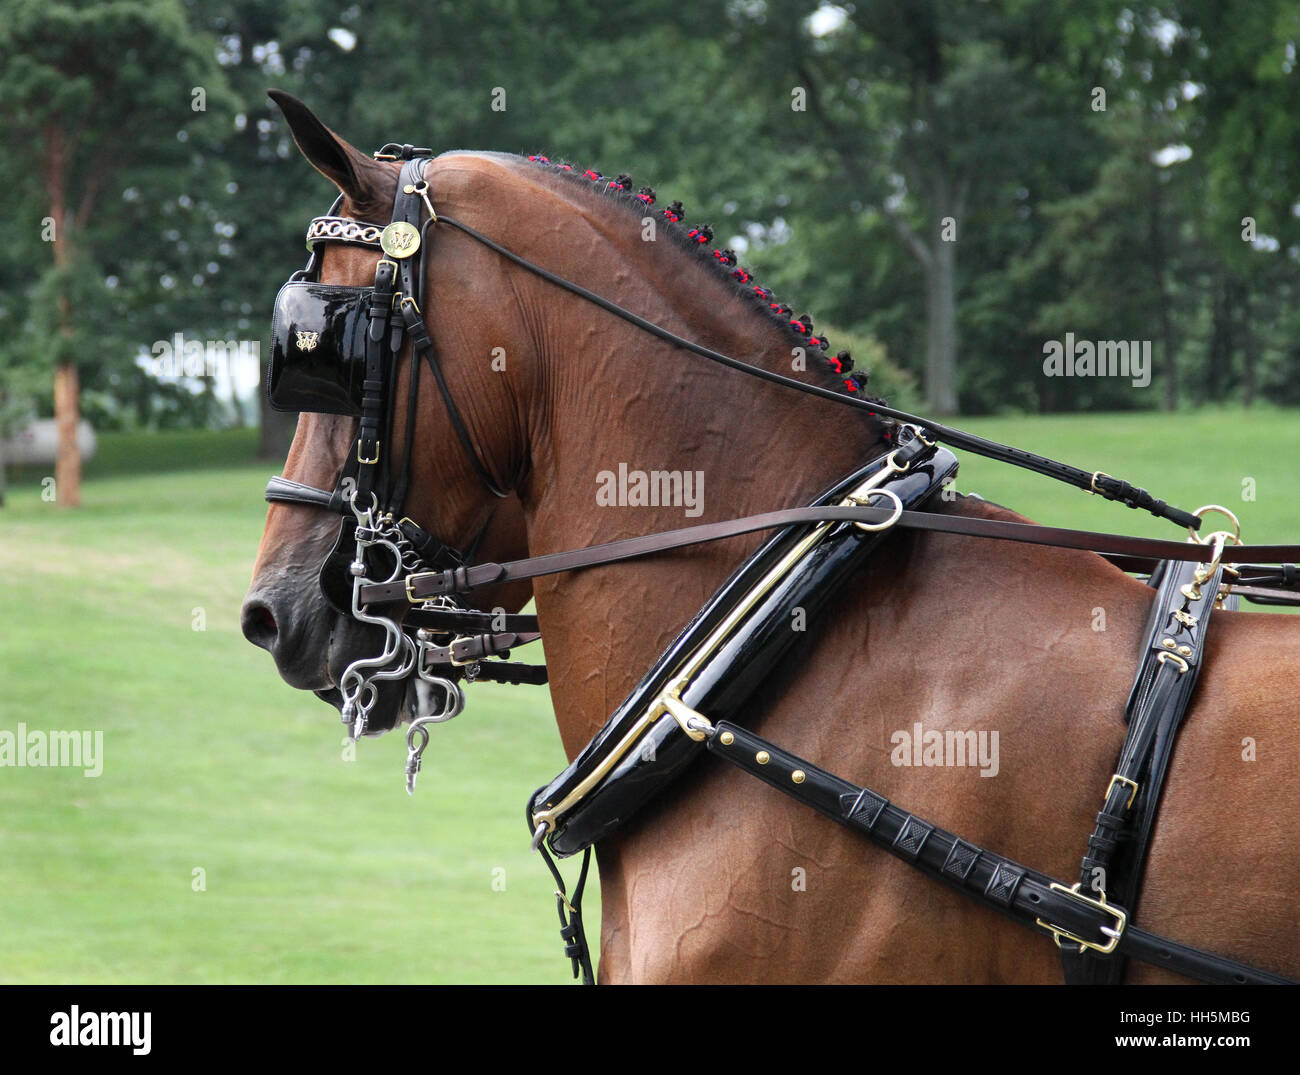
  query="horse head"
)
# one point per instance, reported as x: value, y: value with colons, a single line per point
x: 296, y: 608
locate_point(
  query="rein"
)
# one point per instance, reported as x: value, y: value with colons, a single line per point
x: 1096, y: 482
x: 424, y: 585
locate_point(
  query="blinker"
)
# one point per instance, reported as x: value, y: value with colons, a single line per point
x: 318, y: 347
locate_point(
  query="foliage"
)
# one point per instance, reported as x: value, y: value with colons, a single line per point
x: 1124, y: 222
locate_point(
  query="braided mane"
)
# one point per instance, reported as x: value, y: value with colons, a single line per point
x: 696, y: 240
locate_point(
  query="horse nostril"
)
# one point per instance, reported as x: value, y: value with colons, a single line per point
x: 258, y: 624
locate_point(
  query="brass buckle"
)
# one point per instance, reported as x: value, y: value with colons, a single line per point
x: 451, y: 652
x: 410, y: 582
x: 362, y: 459
x: 1117, y: 779
x: 892, y: 464
x: 1121, y: 920
x: 1092, y: 485
x: 1201, y: 512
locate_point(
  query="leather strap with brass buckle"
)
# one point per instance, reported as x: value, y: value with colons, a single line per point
x: 411, y: 580
x: 1120, y: 916
x: 1117, y: 779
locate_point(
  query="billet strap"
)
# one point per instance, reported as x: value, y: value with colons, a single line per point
x: 1070, y: 916
x: 471, y: 648
x: 475, y: 650
x: 424, y: 585
x: 1261, y: 595
x: 1262, y: 584
x: 1094, y: 481
x: 1172, y: 653
x: 512, y: 673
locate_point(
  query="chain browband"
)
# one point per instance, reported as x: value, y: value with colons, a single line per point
x: 342, y: 229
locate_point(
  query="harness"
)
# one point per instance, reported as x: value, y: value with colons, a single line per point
x: 338, y: 350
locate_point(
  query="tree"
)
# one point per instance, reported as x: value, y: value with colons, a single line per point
x: 928, y: 116
x: 93, y: 90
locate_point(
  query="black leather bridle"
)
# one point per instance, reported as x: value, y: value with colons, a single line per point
x: 1094, y: 932
x: 338, y: 349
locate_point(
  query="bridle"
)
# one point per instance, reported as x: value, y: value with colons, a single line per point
x: 337, y: 349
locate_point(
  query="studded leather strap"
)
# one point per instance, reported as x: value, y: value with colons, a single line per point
x: 1029, y: 897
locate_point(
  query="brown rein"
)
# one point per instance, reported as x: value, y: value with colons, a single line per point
x: 424, y: 585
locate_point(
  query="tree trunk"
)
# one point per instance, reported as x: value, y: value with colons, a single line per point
x: 941, y: 329
x: 1222, y: 344
x: 67, y: 385
x: 67, y: 461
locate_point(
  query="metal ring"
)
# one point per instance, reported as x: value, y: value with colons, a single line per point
x: 893, y: 516
x: 1200, y: 514
x: 1165, y: 655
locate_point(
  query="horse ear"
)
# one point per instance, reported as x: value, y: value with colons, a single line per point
x: 367, y: 183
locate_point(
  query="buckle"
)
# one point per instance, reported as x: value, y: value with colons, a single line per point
x: 1165, y: 657
x: 410, y: 583
x: 363, y: 459
x: 694, y: 724
x: 1117, y: 779
x: 451, y: 652
x: 1120, y: 916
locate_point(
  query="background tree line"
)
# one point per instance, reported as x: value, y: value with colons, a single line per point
x: 947, y: 184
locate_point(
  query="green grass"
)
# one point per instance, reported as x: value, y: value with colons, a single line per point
x: 317, y: 869
x: 320, y: 869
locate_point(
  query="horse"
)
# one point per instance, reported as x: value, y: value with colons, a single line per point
x: 720, y: 880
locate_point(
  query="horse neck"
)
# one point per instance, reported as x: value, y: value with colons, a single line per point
x: 614, y: 401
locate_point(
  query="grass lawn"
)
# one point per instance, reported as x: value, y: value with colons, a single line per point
x: 318, y: 869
